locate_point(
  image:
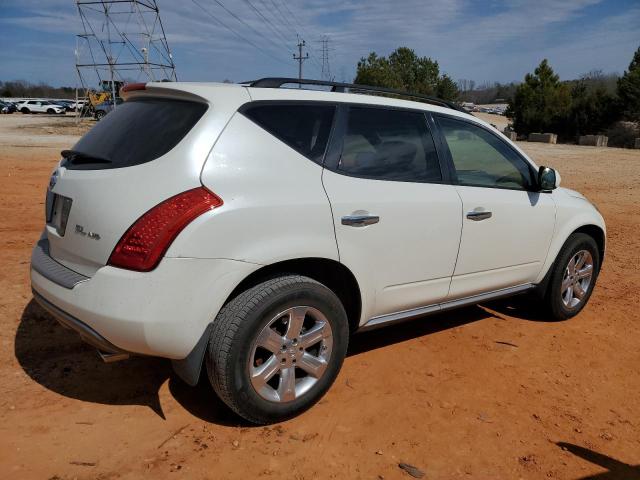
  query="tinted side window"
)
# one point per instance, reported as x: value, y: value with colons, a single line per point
x: 303, y: 127
x: 389, y: 144
x: 483, y: 160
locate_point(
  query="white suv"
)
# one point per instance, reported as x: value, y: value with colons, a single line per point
x: 40, y: 106
x: 254, y: 228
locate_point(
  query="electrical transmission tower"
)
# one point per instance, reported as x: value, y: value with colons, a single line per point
x: 326, y: 68
x: 121, y: 41
x: 300, y: 58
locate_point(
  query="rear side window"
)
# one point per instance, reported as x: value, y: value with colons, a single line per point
x: 135, y: 132
x: 303, y: 127
x: 389, y: 144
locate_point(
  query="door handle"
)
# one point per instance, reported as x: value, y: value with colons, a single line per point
x: 360, y: 220
x: 476, y: 216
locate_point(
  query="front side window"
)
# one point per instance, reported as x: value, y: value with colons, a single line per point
x: 303, y: 127
x: 483, y: 160
x: 387, y: 144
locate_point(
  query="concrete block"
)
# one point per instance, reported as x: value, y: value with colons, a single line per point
x: 511, y: 135
x: 543, y: 137
x: 637, y: 142
x: 593, y: 140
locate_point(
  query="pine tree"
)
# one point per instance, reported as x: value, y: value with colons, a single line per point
x: 404, y: 70
x: 541, y: 103
x: 629, y: 89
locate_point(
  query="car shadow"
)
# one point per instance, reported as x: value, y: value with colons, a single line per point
x: 418, y: 327
x: 616, y: 470
x: 57, y: 359
x: 527, y: 307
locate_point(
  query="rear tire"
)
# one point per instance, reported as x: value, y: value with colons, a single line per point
x: 266, y: 340
x: 100, y: 115
x: 573, y: 276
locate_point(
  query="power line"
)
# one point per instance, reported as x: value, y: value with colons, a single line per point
x: 302, y: 30
x: 283, y: 17
x: 220, y: 22
x: 246, y: 24
x: 279, y: 23
x: 281, y: 20
x: 268, y: 22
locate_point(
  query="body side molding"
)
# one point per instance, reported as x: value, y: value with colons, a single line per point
x: 383, y: 320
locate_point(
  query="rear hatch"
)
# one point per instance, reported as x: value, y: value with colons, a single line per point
x: 145, y: 151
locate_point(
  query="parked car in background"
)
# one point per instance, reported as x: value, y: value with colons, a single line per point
x: 103, y: 108
x: 8, y: 107
x: 250, y: 229
x: 67, y: 104
x: 79, y: 105
x: 40, y: 106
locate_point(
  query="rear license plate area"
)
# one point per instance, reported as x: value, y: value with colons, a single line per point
x: 58, y: 208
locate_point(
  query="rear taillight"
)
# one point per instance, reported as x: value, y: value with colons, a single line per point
x: 147, y: 240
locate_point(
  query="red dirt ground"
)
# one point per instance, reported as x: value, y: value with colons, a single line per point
x: 494, y: 391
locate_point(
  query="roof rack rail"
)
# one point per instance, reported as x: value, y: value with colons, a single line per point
x: 277, y: 82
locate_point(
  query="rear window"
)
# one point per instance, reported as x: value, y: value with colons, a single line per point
x: 386, y: 144
x: 303, y: 127
x: 135, y: 132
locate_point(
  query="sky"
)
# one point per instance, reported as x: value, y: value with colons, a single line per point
x: 239, y: 40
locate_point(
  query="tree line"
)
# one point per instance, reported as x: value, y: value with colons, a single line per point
x: 404, y: 70
x: 594, y: 104
x: 22, y: 88
x: 587, y: 106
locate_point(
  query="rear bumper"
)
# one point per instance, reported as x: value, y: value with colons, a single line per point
x: 161, y: 313
x: 88, y: 334
x: 42, y: 263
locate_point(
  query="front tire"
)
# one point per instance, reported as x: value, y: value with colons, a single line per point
x: 276, y: 348
x: 25, y: 110
x: 573, y: 276
x: 100, y: 115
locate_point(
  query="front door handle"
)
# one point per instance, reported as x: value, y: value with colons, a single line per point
x: 360, y: 220
x: 476, y: 216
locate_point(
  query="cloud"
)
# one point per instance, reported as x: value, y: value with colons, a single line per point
x: 53, y: 22
x: 490, y: 40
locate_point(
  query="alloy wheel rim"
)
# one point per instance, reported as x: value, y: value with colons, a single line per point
x: 290, y: 354
x: 577, y: 279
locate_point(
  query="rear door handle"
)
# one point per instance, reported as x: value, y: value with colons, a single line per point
x: 360, y: 220
x: 476, y: 216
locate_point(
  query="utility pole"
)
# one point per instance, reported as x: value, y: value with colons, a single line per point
x: 300, y: 58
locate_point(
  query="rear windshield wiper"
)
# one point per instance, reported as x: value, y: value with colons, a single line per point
x: 75, y: 157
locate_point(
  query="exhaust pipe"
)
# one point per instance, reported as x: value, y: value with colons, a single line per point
x: 108, y: 357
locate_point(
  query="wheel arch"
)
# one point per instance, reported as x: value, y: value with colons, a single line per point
x: 594, y: 231
x: 331, y: 273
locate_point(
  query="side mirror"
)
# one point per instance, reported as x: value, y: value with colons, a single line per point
x: 548, y: 179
